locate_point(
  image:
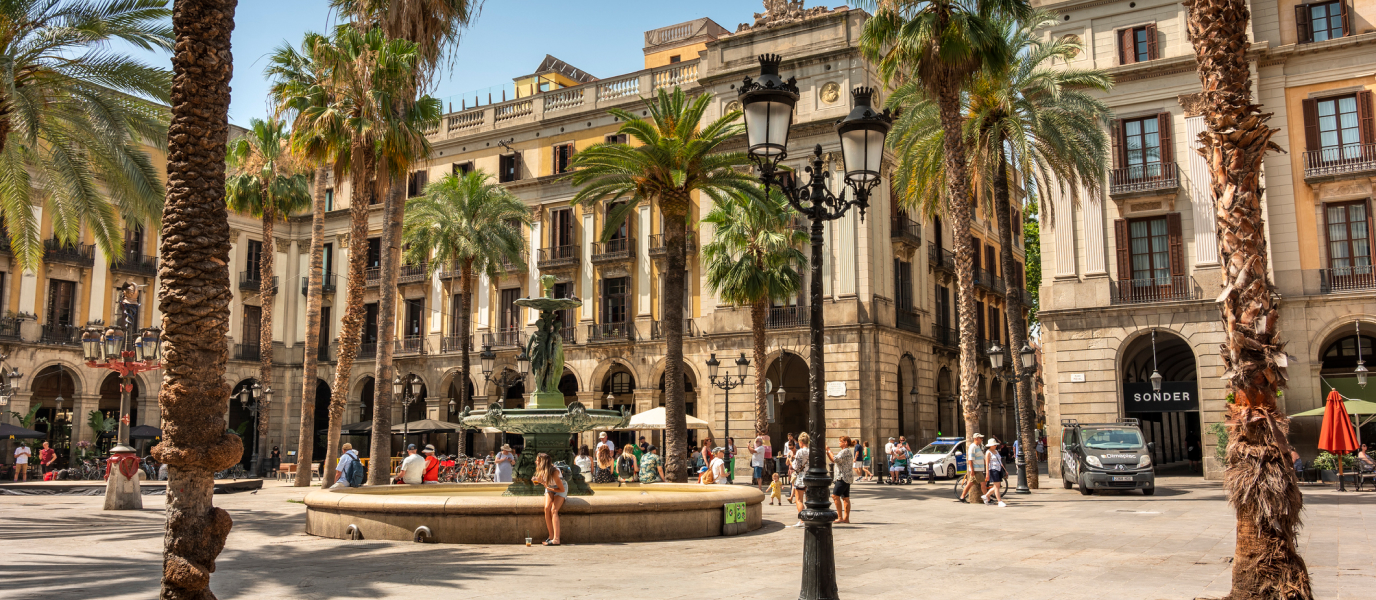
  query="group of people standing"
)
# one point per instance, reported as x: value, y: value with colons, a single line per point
x: 46, y: 457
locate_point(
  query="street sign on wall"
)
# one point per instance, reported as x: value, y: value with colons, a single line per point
x: 1175, y: 396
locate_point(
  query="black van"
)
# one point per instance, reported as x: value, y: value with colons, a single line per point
x: 1106, y: 456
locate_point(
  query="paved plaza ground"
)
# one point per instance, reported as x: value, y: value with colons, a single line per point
x: 907, y: 542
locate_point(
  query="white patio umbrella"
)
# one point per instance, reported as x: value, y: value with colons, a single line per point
x: 654, y: 419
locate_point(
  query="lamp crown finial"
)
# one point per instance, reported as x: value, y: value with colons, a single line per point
x: 769, y: 64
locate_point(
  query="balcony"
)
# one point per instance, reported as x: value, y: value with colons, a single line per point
x: 908, y: 320
x: 453, y: 344
x: 905, y: 232
x: 513, y: 267
x: 1347, y: 279
x: 946, y: 337
x: 326, y: 285
x: 251, y: 281
x: 557, y: 257
x: 372, y: 276
x: 511, y: 338
x: 251, y: 352
x: 5, y: 242
x: 569, y: 334
x: 367, y: 351
x: 60, y: 335
x: 1351, y: 159
x: 941, y: 258
x: 787, y: 317
x: 413, y: 273
x: 658, y: 331
x: 409, y: 345
x: 1144, y: 179
x: 607, y: 333
x: 323, y: 353
x: 134, y: 263
x: 1154, y: 289
x: 614, y: 251
x: 82, y: 255
x: 659, y: 250
x: 9, y: 329
x: 986, y: 279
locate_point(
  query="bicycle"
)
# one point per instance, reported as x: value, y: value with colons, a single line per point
x: 234, y: 472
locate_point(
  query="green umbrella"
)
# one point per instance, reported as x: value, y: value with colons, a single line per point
x: 1354, y: 407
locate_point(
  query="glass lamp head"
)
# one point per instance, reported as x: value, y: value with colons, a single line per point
x: 712, y: 365
x: 743, y: 364
x: 1155, y: 380
x: 1361, y: 373
x: 1028, y: 356
x: 862, y: 138
x: 768, y: 102
x: 996, y: 357
x: 486, y: 358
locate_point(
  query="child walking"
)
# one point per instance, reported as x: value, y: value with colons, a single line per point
x: 776, y: 488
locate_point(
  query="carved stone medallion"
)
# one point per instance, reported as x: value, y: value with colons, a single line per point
x: 831, y: 92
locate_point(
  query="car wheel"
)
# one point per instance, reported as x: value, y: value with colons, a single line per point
x: 950, y: 471
x: 1066, y: 483
x: 1085, y: 490
x: 1151, y: 491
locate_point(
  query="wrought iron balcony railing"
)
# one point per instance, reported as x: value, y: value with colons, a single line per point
x: 57, y: 334
x: 1154, y: 289
x: 558, y: 257
x: 413, y: 273
x: 1347, y: 279
x: 9, y: 328
x: 614, y: 251
x: 603, y: 333
x: 510, y: 338
x: 1342, y: 160
x: 658, y: 331
x: 905, y: 231
x: 1148, y: 177
x: 136, y: 264
x: 570, y: 335
x: 326, y: 285
x: 409, y: 345
x: 454, y: 344
x: 367, y: 351
x: 787, y: 317
x: 659, y: 250
x: 940, y: 258
x: 907, y: 320
x: 252, y: 352
x: 946, y: 336
x: 372, y: 276
x: 250, y: 281
x: 72, y: 254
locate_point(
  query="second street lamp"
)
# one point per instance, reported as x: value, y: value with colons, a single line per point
x: 726, y: 383
x: 1027, y: 358
x: 768, y: 104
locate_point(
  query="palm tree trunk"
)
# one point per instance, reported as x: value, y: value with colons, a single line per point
x: 194, y: 297
x: 266, y: 295
x: 351, y: 326
x: 1017, y: 325
x: 380, y: 468
x: 1260, y: 480
x: 675, y: 211
x: 948, y: 103
x: 305, y: 445
x: 759, y: 315
x: 466, y: 339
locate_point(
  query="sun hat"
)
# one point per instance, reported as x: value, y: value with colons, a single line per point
x: 430, y: 448
x: 994, y: 442
x: 977, y: 435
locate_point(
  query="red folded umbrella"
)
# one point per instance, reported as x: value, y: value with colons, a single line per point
x: 1337, y: 435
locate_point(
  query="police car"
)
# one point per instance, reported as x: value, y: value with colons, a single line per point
x: 944, y: 457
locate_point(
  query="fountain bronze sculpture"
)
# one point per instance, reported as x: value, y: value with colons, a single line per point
x: 546, y: 422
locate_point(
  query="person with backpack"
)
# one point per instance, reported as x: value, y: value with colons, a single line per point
x: 626, y: 465
x: 350, y: 471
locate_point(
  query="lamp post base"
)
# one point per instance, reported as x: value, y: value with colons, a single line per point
x: 122, y: 480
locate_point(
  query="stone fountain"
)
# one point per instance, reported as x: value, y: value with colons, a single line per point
x: 546, y: 422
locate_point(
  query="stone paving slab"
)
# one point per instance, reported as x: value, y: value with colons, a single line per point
x: 908, y: 541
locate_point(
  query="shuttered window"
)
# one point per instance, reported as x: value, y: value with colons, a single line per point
x: 508, y: 168
x: 1138, y: 44
x: 614, y: 300
x: 563, y: 155
x: 252, y: 327
x: 1349, y: 237
x: 462, y: 168
x: 510, y: 316
x: 1150, y: 248
x: 561, y: 227
x: 1321, y: 21
x: 415, y: 184
x: 1339, y: 129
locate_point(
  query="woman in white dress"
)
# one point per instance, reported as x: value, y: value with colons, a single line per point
x: 506, y: 459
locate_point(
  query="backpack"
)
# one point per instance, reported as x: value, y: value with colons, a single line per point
x: 353, y: 473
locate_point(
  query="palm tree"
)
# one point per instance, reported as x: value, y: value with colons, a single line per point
x: 676, y: 157
x: 73, y: 126
x: 1261, y: 486
x: 473, y: 223
x: 267, y: 182
x: 941, y: 44
x: 434, y: 27
x: 751, y: 261
x: 342, y: 88
x: 1026, y: 119
x: 194, y: 297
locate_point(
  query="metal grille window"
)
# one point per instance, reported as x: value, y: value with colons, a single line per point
x: 1150, y: 248
x: 1349, y: 238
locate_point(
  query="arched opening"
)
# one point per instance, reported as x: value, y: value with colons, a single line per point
x: 54, y: 392
x: 1339, y: 363
x: 514, y: 398
x: 690, y: 406
x: 901, y: 400
x: 1169, y: 418
x: 1010, y: 413
x: 789, y: 372
x: 568, y: 386
x: 321, y: 414
x: 618, y: 391
x: 109, y: 405
x: 241, y: 419
x: 948, y: 421
x: 365, y: 400
x: 467, y: 438
x: 994, y: 408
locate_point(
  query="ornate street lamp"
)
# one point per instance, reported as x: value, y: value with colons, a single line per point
x: 726, y: 383
x: 1027, y: 358
x: 1361, y: 371
x: 1155, y: 374
x: 768, y: 105
x: 408, y: 391
x: 123, y: 350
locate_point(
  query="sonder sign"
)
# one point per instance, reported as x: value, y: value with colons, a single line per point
x: 1175, y: 396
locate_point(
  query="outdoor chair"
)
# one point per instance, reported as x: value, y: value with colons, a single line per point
x: 1365, y: 471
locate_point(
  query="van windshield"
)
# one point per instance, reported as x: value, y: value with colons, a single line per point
x: 1116, y: 438
x: 936, y: 449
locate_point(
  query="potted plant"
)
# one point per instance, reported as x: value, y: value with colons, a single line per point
x: 1327, y: 464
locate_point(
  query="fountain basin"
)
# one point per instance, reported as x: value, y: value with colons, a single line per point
x: 479, y: 513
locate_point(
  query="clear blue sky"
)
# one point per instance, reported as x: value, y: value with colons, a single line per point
x: 509, y: 39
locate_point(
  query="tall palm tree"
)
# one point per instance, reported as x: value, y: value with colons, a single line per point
x: 1026, y: 119
x: 941, y: 44
x: 676, y: 156
x: 434, y: 27
x: 474, y: 223
x: 342, y: 88
x: 194, y: 297
x: 267, y: 182
x: 751, y: 261
x: 1261, y: 487
x: 70, y: 136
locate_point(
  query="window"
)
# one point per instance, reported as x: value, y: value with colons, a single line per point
x: 61, y: 302
x: 1322, y: 21
x: 374, y: 253
x: 563, y: 154
x: 416, y: 182
x: 614, y: 299
x: 133, y: 241
x: 1150, y: 248
x: 903, y: 284
x: 994, y: 324
x: 508, y: 168
x: 620, y: 233
x: 253, y: 326
x: 675, y: 59
x: 456, y: 315
x: 370, y: 323
x: 329, y: 199
x: 990, y: 261
x: 1142, y: 150
x: 1138, y: 44
x: 327, y: 262
x: 1142, y: 142
x: 979, y: 324
x: 323, y: 345
x: 463, y: 168
x: 415, y: 311
x: 616, y: 138
x: 1151, y: 258
x: 1349, y: 238
x: 943, y: 306
x: 561, y: 227
x: 1339, y: 131
x: 255, y: 257
x: 510, y: 317
x: 620, y: 383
